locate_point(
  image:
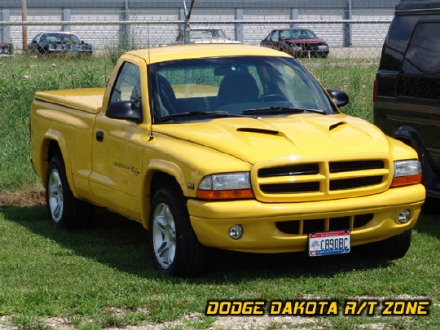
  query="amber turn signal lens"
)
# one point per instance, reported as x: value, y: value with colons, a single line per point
x: 406, y: 180
x: 225, y: 194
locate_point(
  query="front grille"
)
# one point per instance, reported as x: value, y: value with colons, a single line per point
x: 348, y: 166
x: 290, y: 187
x: 306, y: 227
x: 300, y: 169
x: 355, y: 182
x: 307, y: 46
x: 309, y: 181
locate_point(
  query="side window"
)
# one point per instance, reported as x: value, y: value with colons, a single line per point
x: 396, y: 42
x: 423, y: 54
x: 128, y: 86
x: 274, y: 36
x: 420, y: 76
x: 284, y: 35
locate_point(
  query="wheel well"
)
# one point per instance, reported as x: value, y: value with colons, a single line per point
x: 405, y: 140
x: 50, y: 148
x: 161, y: 179
x: 53, y: 149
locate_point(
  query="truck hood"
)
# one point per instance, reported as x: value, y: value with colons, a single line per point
x: 269, y: 138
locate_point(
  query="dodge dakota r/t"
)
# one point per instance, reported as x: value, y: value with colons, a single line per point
x: 224, y: 146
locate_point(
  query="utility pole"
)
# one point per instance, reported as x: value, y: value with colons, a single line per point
x: 186, y: 29
x: 24, y: 27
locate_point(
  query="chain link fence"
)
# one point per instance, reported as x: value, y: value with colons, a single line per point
x: 352, y: 29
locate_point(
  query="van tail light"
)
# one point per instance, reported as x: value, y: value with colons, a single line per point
x: 375, y: 91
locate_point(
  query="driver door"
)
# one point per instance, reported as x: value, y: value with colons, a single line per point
x: 118, y: 146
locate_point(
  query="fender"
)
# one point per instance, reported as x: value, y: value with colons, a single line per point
x: 53, y: 135
x: 412, y: 137
x: 164, y: 166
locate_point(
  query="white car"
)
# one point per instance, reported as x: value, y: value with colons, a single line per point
x: 207, y: 36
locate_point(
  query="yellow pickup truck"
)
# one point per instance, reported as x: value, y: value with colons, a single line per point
x: 227, y: 146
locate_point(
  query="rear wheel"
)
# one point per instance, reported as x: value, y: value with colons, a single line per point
x: 173, y: 244
x: 392, y: 248
x: 64, y: 209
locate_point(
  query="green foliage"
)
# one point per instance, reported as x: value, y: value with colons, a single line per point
x: 20, y: 78
x: 354, y: 76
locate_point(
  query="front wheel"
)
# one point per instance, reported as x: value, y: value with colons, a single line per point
x: 173, y: 244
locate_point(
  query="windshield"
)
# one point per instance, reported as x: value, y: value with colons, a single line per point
x: 198, y: 89
x: 297, y: 34
x: 60, y: 38
x: 207, y: 34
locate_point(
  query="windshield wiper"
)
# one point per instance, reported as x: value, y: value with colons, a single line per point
x: 204, y: 114
x: 279, y: 111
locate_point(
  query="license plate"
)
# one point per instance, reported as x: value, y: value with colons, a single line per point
x: 332, y: 242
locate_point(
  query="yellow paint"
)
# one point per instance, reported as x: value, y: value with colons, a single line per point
x: 117, y: 172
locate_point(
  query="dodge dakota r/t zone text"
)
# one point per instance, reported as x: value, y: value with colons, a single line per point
x: 227, y: 146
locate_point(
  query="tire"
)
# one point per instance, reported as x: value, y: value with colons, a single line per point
x: 173, y: 244
x: 65, y: 211
x: 392, y: 248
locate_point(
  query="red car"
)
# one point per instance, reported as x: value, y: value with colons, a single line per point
x: 297, y: 42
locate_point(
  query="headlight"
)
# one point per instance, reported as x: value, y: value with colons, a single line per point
x: 226, y: 186
x: 296, y: 48
x: 407, y: 172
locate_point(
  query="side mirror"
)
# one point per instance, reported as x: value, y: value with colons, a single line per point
x: 339, y: 97
x: 124, y: 110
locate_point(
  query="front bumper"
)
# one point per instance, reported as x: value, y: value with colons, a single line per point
x: 262, y: 234
x: 310, y: 53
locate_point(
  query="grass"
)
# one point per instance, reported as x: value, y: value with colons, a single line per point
x: 355, y: 77
x: 20, y: 78
x: 102, y: 277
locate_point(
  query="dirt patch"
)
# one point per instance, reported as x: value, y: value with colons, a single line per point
x: 22, y: 198
x: 186, y: 322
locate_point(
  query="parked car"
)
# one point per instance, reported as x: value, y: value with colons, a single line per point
x: 297, y: 42
x: 59, y: 42
x: 407, y: 86
x: 207, y: 36
x: 234, y: 147
x: 6, y: 49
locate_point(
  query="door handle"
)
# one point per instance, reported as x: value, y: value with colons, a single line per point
x: 99, y: 136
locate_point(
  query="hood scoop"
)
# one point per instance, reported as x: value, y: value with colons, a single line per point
x: 333, y: 126
x: 258, y: 130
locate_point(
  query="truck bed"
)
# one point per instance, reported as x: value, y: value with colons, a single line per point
x: 84, y: 99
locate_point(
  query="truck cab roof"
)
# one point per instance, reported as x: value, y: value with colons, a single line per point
x: 177, y: 52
